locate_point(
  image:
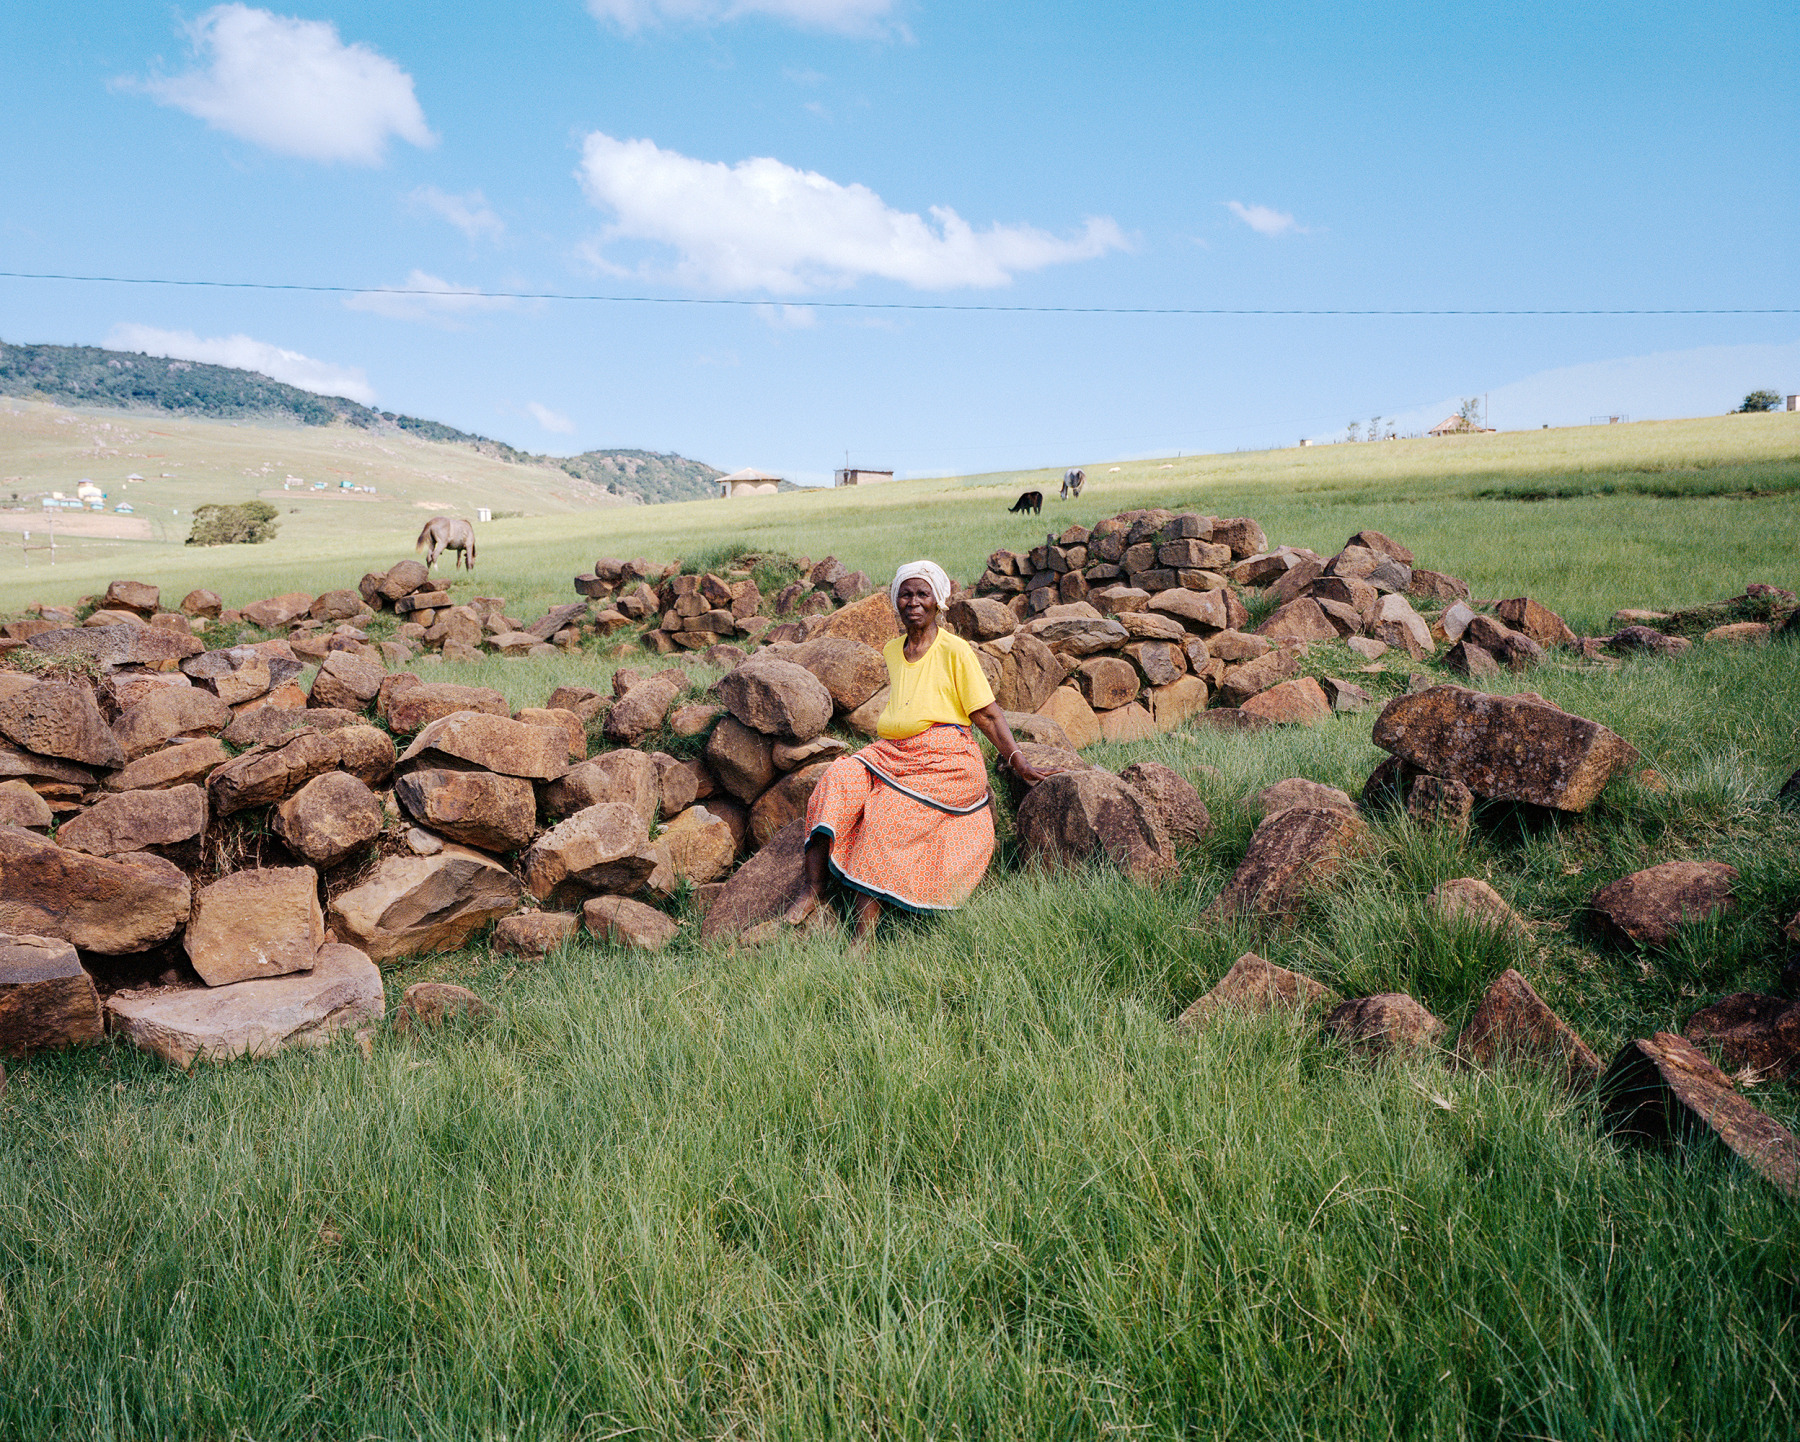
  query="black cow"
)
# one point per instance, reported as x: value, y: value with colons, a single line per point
x: 1032, y: 501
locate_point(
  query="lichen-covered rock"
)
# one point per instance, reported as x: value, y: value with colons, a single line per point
x: 1299, y: 702
x: 1514, y: 1023
x: 1510, y: 748
x: 1663, y: 1089
x: 182, y: 764
x: 272, y: 772
x: 1647, y: 906
x: 1173, y: 800
x: 763, y: 888
x: 1076, y: 817
x: 1298, y: 791
x: 584, y: 853
x: 494, y: 743
x: 477, y: 808
x: 777, y: 698
x: 60, y: 720
x: 848, y: 669
x: 166, y: 713
x: 1296, y: 850
x: 137, y: 821
x: 535, y: 933
x: 625, y: 775
x: 1748, y: 1029
x: 112, y: 906
x: 411, y: 708
x: 1389, y: 1022
x: 1471, y: 901
x: 1253, y: 985
x: 328, y: 818
x: 742, y: 759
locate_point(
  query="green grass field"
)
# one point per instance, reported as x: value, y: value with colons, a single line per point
x: 975, y: 1185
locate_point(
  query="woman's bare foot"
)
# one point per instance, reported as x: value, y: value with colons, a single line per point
x: 802, y: 910
x: 868, y: 913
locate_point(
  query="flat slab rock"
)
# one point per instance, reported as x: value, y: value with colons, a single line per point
x: 1663, y: 1089
x: 1512, y: 748
x: 113, y: 906
x: 257, y: 923
x: 763, y: 888
x: 1253, y: 985
x: 46, y: 999
x: 1648, y: 906
x: 1514, y: 1023
x: 342, y: 990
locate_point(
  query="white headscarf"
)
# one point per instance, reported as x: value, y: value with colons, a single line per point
x: 929, y: 572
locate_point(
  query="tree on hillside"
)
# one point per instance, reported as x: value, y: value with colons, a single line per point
x: 243, y: 525
x: 1469, y: 413
x: 1355, y: 429
x: 1759, y: 401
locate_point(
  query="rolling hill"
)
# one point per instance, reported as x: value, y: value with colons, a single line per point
x: 96, y: 378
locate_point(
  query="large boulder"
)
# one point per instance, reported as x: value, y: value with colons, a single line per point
x: 1748, y: 1029
x: 54, y: 719
x: 1537, y: 621
x: 46, y: 999
x: 137, y: 821
x: 849, y: 670
x: 1173, y: 801
x: 1108, y: 682
x: 272, y: 772
x: 166, y: 713
x: 1663, y: 1089
x: 278, y: 611
x: 266, y: 724
x: 1068, y: 708
x: 1256, y: 675
x: 477, y: 808
x: 1513, y: 748
x: 1514, y: 1023
x: 416, y: 905
x: 632, y: 777
x: 1647, y: 906
x: 1300, y: 702
x: 1392, y: 1021
x: 21, y: 806
x: 341, y: 991
x: 596, y: 849
x: 139, y: 596
x: 640, y: 711
x: 494, y: 743
x: 112, y: 906
x: 763, y: 888
x: 870, y: 620
x: 785, y: 801
x: 258, y: 923
x: 1253, y: 985
x: 411, y: 709
x: 1077, y: 817
x: 328, y: 818
x: 742, y: 759
x: 979, y: 618
x: 777, y: 698
x: 1029, y: 674
x: 1298, y: 791
x: 1294, y: 851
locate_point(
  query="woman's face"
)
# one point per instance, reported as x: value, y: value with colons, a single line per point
x: 917, y: 606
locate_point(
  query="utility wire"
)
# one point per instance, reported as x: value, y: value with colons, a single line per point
x: 462, y: 295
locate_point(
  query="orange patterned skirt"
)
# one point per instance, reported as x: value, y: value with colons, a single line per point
x: 909, y: 821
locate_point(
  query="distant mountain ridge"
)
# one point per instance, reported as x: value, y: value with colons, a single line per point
x: 132, y: 381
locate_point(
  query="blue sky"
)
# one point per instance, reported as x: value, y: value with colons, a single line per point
x: 789, y: 152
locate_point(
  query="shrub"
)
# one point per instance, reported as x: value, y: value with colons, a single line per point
x: 245, y: 524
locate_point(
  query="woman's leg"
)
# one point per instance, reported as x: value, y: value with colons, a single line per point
x: 808, y: 903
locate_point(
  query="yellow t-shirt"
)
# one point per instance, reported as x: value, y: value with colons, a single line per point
x: 942, y: 687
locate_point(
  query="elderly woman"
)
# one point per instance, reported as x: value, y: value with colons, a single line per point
x: 907, y: 820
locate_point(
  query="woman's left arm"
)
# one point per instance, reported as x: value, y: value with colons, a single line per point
x: 992, y: 721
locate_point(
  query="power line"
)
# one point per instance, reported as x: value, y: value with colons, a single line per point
x: 1223, y: 311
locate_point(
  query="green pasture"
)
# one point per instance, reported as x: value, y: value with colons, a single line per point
x: 1659, y: 513
x: 974, y: 1185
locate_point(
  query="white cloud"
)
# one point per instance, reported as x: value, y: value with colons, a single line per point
x: 422, y: 296
x: 788, y: 317
x: 1704, y: 381
x: 246, y: 353
x: 846, y: 17
x: 292, y: 86
x: 762, y: 225
x: 1263, y: 220
x: 469, y: 213
x: 550, y: 420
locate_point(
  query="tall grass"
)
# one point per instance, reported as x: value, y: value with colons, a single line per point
x: 974, y: 1185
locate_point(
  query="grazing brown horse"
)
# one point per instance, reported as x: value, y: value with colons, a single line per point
x: 445, y: 533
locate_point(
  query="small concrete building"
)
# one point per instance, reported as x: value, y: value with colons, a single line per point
x: 858, y: 476
x: 748, y: 482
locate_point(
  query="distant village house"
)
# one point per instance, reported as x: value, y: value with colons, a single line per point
x: 748, y: 482
x: 857, y: 476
